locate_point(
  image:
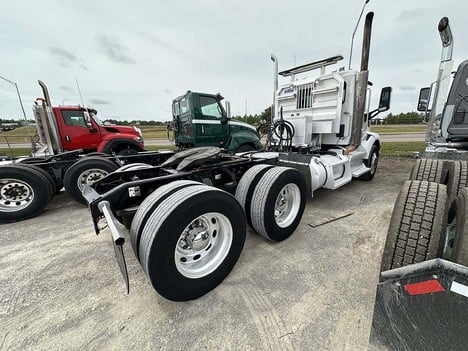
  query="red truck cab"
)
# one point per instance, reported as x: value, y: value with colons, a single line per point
x: 80, y: 128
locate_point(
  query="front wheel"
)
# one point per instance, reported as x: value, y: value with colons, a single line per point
x: 371, y: 162
x: 191, y: 241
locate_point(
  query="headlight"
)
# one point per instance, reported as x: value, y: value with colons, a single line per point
x: 139, y: 139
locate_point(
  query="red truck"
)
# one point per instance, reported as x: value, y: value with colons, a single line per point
x: 66, y: 128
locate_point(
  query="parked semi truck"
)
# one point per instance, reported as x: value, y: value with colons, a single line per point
x: 27, y: 184
x: 187, y: 217
x: 422, y: 297
x: 67, y: 128
x: 101, y: 149
x: 199, y: 119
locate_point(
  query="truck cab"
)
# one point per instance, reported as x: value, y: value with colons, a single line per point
x: 80, y: 128
x: 67, y: 128
x: 200, y: 119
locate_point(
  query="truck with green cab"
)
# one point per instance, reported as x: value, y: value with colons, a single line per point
x: 200, y: 119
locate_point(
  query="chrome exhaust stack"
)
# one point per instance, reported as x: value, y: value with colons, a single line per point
x: 275, y: 85
x: 442, y: 83
x: 361, y: 86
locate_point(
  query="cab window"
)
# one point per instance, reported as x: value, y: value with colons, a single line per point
x: 210, y: 107
x: 180, y: 107
x: 74, y: 118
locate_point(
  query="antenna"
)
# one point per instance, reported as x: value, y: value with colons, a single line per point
x: 355, y: 29
x: 79, y: 92
x: 82, y: 102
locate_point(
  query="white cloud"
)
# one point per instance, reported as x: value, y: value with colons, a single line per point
x: 138, y: 57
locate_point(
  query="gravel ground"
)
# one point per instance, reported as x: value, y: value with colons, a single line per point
x: 61, y: 289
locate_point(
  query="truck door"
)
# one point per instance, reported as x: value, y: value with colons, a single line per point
x: 75, y: 131
x: 183, y: 129
x: 210, y: 122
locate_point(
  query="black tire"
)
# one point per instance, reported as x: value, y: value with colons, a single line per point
x: 51, y: 183
x: 246, y: 187
x: 456, y: 242
x: 148, y: 206
x: 417, y: 226
x: 457, y: 177
x: 178, y: 276
x: 27, y: 188
x: 86, y: 172
x: 278, y: 203
x: 429, y: 170
x: 372, y: 163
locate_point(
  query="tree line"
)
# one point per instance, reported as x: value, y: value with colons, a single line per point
x: 255, y: 120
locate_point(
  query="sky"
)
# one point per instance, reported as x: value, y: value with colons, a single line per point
x: 132, y: 58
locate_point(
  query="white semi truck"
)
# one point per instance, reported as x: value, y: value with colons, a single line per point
x: 187, y: 217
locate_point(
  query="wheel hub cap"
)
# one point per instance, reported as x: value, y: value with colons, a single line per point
x: 287, y: 205
x: 203, y: 245
x: 15, y: 195
x: 90, y: 177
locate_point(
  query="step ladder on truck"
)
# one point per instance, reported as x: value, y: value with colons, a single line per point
x: 422, y: 298
x: 187, y: 217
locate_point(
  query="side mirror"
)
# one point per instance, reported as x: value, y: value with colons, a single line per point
x: 423, y: 100
x: 228, y: 108
x: 384, y: 102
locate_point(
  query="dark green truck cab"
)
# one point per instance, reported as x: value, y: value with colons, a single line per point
x: 200, y: 119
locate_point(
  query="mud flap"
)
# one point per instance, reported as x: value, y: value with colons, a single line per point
x: 421, y: 307
x: 118, y: 240
x: 120, y: 257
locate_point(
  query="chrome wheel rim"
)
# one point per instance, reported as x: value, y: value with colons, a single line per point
x: 90, y: 176
x: 203, y: 245
x: 15, y: 195
x: 287, y: 205
x: 374, y: 163
x: 450, y: 236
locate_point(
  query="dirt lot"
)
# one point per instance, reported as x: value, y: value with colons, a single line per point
x: 61, y: 289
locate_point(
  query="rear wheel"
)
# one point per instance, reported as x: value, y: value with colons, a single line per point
x: 429, y: 170
x: 149, y: 205
x: 456, y: 242
x: 86, y: 172
x: 458, y: 177
x: 277, y: 203
x: 246, y: 187
x: 191, y: 241
x: 417, y: 226
x: 50, y: 181
x: 24, y: 193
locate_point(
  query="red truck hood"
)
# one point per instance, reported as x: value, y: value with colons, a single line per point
x: 121, y: 129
